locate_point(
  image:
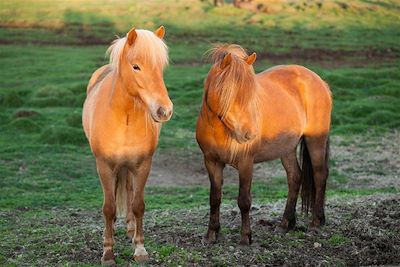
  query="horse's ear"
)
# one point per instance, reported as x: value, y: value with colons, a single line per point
x: 160, y: 32
x: 250, y: 59
x: 132, y: 36
x: 226, y: 61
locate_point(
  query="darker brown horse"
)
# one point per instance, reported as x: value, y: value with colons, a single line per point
x: 248, y: 118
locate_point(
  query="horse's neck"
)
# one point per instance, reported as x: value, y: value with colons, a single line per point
x: 263, y: 90
x: 119, y: 99
x: 257, y: 92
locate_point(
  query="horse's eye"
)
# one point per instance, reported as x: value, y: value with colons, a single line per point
x: 136, y: 67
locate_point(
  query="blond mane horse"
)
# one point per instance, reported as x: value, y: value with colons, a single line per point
x: 248, y: 118
x: 125, y: 105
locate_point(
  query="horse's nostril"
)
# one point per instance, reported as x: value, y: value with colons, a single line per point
x: 248, y: 136
x: 161, y: 112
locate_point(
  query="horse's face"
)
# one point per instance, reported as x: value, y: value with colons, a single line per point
x: 239, y: 120
x: 145, y: 82
x: 228, y: 96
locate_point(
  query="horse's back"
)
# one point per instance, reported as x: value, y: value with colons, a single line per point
x: 296, y: 78
x: 97, y: 77
x: 89, y: 105
x: 310, y: 91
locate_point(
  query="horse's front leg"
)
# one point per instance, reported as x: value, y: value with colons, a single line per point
x: 215, y: 173
x: 141, y: 173
x: 109, y: 209
x: 245, y: 168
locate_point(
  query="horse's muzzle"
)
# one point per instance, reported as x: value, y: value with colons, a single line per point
x: 163, y: 114
x: 244, y: 137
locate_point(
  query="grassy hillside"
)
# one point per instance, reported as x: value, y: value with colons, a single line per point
x: 49, y: 49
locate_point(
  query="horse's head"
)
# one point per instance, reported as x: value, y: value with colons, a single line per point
x: 230, y: 89
x: 141, y: 65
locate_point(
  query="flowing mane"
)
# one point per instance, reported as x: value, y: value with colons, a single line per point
x: 147, y: 48
x: 236, y: 81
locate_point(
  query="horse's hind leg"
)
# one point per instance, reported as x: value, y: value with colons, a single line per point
x: 109, y: 209
x: 318, y: 147
x: 141, y: 173
x: 215, y: 170
x: 292, y: 168
x: 130, y: 218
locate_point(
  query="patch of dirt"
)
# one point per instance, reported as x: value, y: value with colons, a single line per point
x: 331, y: 58
x: 372, y: 162
x: 362, y: 231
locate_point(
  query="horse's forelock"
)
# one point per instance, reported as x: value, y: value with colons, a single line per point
x: 147, y: 47
x: 218, y: 52
x: 236, y: 81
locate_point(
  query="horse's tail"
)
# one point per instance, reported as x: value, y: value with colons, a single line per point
x: 307, y: 178
x: 308, y: 189
x: 121, y: 193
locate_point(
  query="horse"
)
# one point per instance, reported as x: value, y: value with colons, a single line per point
x: 247, y: 118
x: 126, y: 104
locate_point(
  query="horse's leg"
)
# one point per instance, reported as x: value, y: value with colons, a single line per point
x: 141, y: 173
x: 292, y: 168
x: 215, y: 173
x: 109, y: 209
x: 130, y: 218
x: 245, y: 168
x: 317, y: 147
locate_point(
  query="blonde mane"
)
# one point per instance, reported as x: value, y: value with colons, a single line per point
x: 236, y: 81
x: 147, y: 48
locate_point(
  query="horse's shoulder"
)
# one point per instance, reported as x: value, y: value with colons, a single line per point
x: 98, y: 76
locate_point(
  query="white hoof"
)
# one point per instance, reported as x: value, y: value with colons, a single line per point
x: 141, y: 253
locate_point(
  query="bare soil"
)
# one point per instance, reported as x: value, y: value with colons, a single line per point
x: 362, y: 231
x: 331, y: 58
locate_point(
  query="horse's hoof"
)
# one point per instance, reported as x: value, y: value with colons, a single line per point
x: 140, y: 254
x: 208, y: 241
x: 108, y: 262
x: 245, y: 240
x: 280, y: 230
x: 108, y: 258
x: 313, y: 228
x: 210, y: 238
x: 141, y: 258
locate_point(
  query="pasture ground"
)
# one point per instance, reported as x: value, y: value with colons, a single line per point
x: 50, y: 197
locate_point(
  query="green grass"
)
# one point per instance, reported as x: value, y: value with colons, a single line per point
x: 337, y: 239
x: 364, y: 99
x: 49, y: 49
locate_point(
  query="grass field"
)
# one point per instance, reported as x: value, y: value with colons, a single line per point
x: 50, y: 197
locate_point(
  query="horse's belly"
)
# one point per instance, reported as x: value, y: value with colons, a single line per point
x: 274, y: 148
